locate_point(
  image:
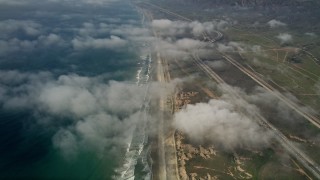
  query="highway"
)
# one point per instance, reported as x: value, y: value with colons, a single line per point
x: 161, y: 151
x: 168, y: 161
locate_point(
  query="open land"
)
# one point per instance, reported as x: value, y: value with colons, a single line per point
x: 246, y: 56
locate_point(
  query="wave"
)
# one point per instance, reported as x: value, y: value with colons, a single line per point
x: 136, y: 151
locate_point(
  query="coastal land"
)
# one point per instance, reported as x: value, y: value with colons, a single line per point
x: 270, y: 80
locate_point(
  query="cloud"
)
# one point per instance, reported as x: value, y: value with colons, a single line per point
x: 172, y: 47
x: 231, y: 121
x: 31, y: 2
x: 217, y: 65
x: 12, y: 27
x: 167, y: 27
x: 225, y: 48
x: 51, y: 39
x: 270, y: 103
x: 218, y: 122
x: 231, y: 46
x: 188, y: 44
x: 275, y: 23
x: 14, y: 45
x: 93, y: 32
x: 90, y: 29
x: 12, y: 2
x: 103, y: 114
x: 18, y: 45
x: 66, y: 141
x: 311, y: 34
x: 114, y: 42
x: 161, y: 23
x: 285, y: 38
x: 180, y: 49
x: 130, y: 31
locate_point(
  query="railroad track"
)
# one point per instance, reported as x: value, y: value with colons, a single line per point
x: 315, y: 121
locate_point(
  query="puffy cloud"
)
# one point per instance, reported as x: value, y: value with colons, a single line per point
x: 130, y: 31
x: 102, y: 113
x: 18, y: 45
x: 180, y: 49
x: 188, y: 44
x: 66, y: 141
x: 65, y: 99
x: 218, y: 122
x: 31, y: 2
x: 161, y: 24
x: 275, y: 23
x: 276, y: 108
x: 13, y: 2
x: 167, y: 27
x: 217, y: 65
x: 285, y: 37
x: 311, y: 34
x: 14, y: 45
x: 51, y: 39
x: 113, y: 42
x: 9, y: 27
x: 225, y: 48
x: 231, y: 46
x: 90, y: 29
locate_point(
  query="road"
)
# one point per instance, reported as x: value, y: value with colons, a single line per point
x: 161, y: 151
x: 168, y: 161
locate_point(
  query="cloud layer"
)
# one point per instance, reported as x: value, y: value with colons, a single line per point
x: 167, y: 27
x: 285, y: 38
x: 275, y: 23
x: 114, y: 42
x: 218, y: 122
x: 103, y: 113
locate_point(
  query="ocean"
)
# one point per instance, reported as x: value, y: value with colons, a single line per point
x: 62, y: 49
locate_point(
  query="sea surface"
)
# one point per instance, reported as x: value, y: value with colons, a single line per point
x: 26, y: 146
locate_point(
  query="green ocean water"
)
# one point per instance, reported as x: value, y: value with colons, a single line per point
x: 26, y: 148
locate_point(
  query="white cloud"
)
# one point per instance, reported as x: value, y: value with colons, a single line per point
x: 30, y: 2
x: 12, y: 2
x: 51, y: 39
x: 180, y: 49
x: 225, y: 48
x: 18, y: 45
x: 311, y: 34
x: 66, y: 141
x: 90, y: 29
x: 114, y: 42
x: 167, y: 27
x: 218, y: 122
x: 30, y: 28
x: 14, y: 45
x: 275, y: 23
x: 161, y: 24
x: 285, y: 37
x: 217, y: 65
x: 189, y: 44
x: 103, y: 114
